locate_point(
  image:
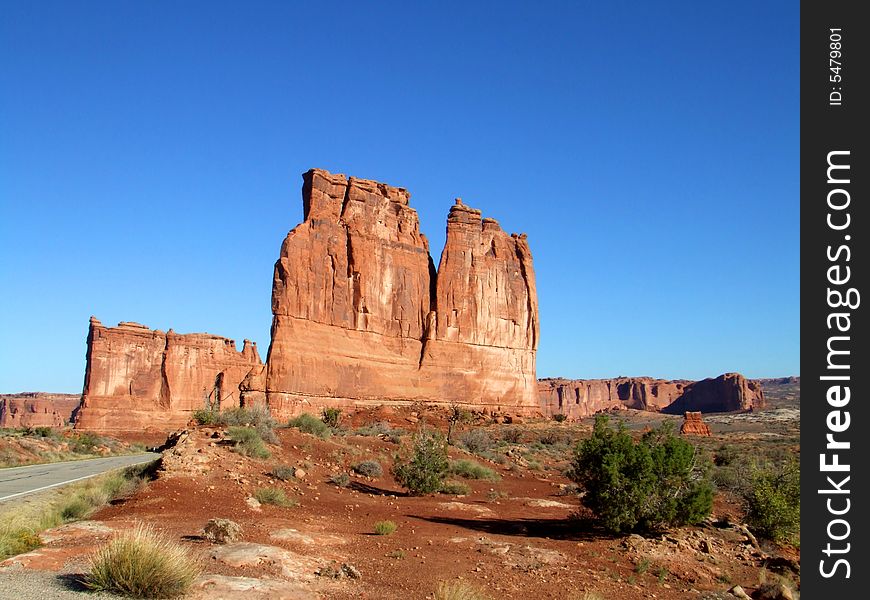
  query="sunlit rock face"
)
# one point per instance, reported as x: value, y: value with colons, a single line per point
x: 577, y: 398
x: 360, y: 314
x: 139, y: 378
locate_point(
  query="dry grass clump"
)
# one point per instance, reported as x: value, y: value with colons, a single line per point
x: 459, y: 590
x: 142, y: 563
x: 385, y: 527
x: 275, y: 496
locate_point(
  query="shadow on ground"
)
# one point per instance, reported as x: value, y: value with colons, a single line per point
x: 573, y: 529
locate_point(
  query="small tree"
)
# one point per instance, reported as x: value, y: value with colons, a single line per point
x: 331, y: 416
x: 773, y: 502
x: 423, y: 472
x: 650, y: 484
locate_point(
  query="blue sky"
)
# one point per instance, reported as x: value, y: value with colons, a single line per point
x: 151, y: 153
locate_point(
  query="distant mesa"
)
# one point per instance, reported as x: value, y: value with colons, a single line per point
x: 578, y: 398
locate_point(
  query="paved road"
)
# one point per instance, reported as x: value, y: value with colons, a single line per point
x: 19, y: 481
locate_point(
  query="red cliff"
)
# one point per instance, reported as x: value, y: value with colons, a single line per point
x: 37, y: 409
x: 362, y: 316
x: 577, y: 398
x: 139, y: 378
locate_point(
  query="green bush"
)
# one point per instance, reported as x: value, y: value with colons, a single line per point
x: 369, y: 468
x: 331, y: 416
x: 424, y: 470
x: 247, y: 442
x: 142, y: 564
x: 85, y: 442
x: 206, y: 416
x: 651, y: 484
x: 310, y: 424
x: 774, y: 502
x: 275, y: 497
x: 472, y: 470
x: 385, y: 527
x: 455, y: 488
x: 559, y: 417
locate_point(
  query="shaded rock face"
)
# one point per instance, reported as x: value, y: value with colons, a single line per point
x: 37, y: 409
x: 139, y: 378
x: 693, y: 424
x: 577, y: 398
x: 360, y: 315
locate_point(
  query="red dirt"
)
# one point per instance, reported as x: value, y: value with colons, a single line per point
x: 506, y: 546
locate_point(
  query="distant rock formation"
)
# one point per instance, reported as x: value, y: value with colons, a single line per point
x: 37, y: 409
x: 693, y: 424
x: 138, y: 378
x: 578, y: 398
x: 362, y: 316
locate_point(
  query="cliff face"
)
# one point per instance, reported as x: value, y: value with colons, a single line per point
x: 138, y: 378
x: 579, y: 398
x: 37, y: 409
x: 360, y: 314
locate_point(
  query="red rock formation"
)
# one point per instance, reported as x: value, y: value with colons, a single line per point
x: 693, y: 424
x: 726, y: 393
x: 580, y: 398
x: 142, y: 378
x: 361, y: 316
x: 37, y: 409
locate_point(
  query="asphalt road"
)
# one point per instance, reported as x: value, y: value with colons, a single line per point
x: 20, y: 481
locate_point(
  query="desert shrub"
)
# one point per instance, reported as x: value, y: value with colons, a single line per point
x: 307, y: 423
x: 283, y: 472
x: 496, y: 495
x: 142, y: 564
x: 43, y: 432
x: 18, y: 541
x: 455, y: 488
x: 475, y: 440
x: 774, y: 503
x: 385, y: 527
x: 206, y: 416
x: 473, y: 470
x: 423, y: 471
x: 369, y: 468
x: 512, y: 435
x: 374, y: 429
x: 247, y: 442
x: 646, y: 485
x: 559, y: 417
x: 275, y: 497
x: 331, y: 416
x: 257, y: 417
x: 459, y: 590
x: 84, y: 442
x: 340, y: 479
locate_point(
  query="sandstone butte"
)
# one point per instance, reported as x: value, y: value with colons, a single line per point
x: 362, y: 317
x: 142, y: 379
x: 693, y: 424
x: 37, y: 409
x: 577, y: 398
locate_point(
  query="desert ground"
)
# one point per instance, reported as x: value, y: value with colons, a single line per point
x: 522, y: 528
